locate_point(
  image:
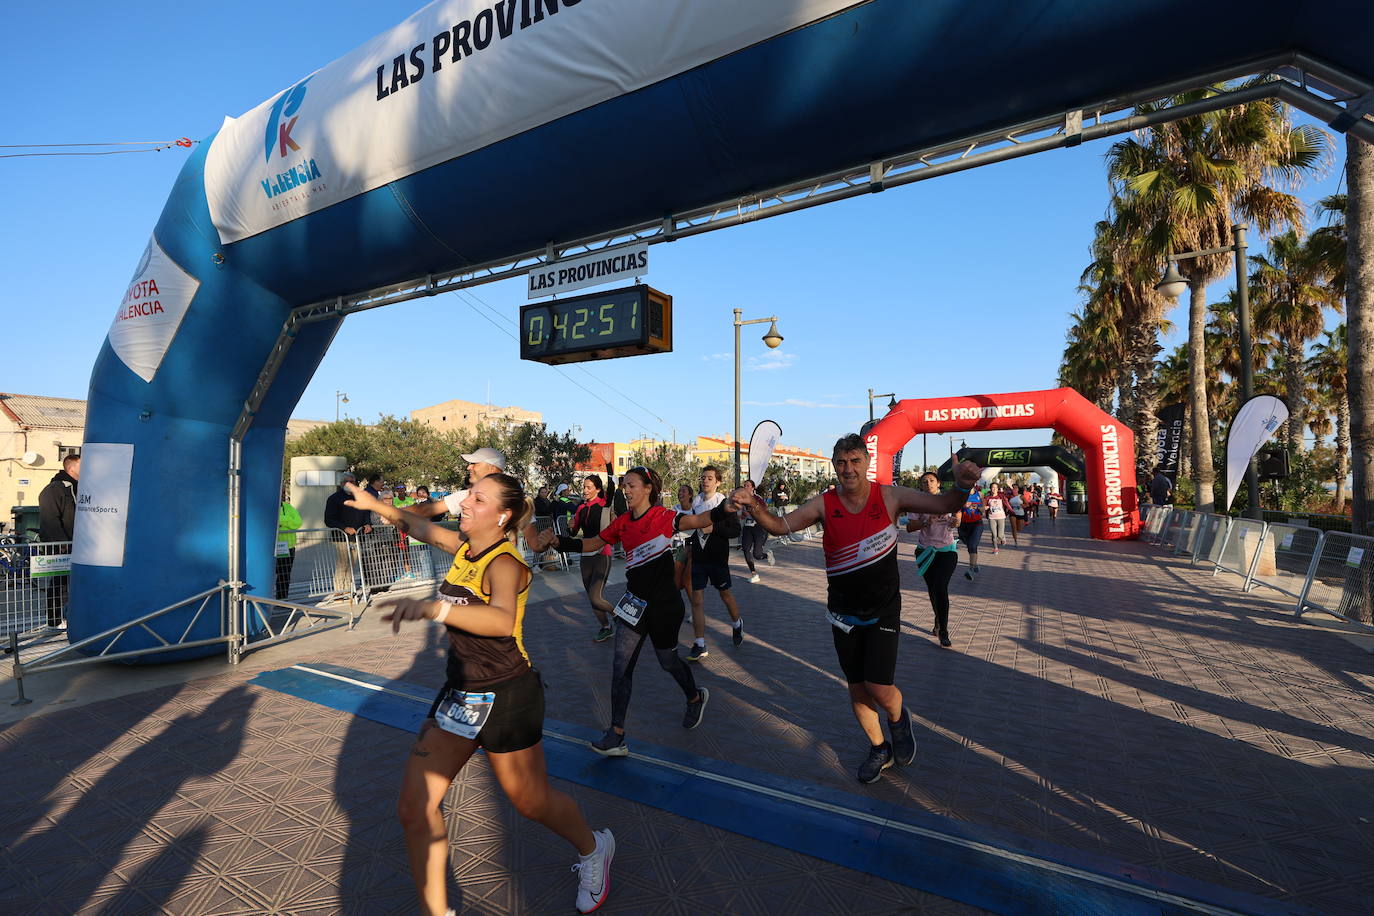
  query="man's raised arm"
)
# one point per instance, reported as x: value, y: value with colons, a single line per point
x: 804, y: 516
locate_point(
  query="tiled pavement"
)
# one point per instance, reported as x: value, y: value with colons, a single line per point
x: 1100, y: 697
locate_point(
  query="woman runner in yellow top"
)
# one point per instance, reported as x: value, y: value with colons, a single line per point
x: 493, y: 697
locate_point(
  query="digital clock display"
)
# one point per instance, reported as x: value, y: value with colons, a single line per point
x: 622, y: 322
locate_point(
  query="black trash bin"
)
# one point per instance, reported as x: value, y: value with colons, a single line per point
x: 1078, y: 498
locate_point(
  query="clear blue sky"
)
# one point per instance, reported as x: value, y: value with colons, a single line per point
x: 959, y: 285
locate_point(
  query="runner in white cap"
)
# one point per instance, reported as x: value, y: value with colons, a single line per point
x: 482, y: 463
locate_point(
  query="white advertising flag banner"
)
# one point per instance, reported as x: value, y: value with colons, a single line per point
x: 102, y: 504
x: 151, y: 311
x: 455, y: 77
x: 761, y: 446
x: 607, y: 266
x: 1253, y: 426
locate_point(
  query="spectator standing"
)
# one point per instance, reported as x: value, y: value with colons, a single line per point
x: 56, y: 523
x: 288, y: 523
x: 348, y: 525
x: 542, y: 507
x: 401, y: 500
x: 1161, y: 490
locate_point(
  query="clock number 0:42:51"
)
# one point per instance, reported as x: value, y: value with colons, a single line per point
x: 578, y: 331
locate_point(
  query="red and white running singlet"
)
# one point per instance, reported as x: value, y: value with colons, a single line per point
x: 861, y: 556
x: 648, y: 542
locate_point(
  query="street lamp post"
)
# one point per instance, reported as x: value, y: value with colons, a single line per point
x: 1173, y: 285
x: 772, y: 339
x: 338, y: 396
x: 892, y: 402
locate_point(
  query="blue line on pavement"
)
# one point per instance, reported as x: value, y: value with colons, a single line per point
x: 986, y: 868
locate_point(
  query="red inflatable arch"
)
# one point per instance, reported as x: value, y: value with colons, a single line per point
x: 1108, y: 445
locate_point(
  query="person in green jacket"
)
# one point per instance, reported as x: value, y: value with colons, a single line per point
x: 401, y: 500
x: 288, y: 523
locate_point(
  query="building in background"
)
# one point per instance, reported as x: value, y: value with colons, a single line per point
x: 36, y: 433
x: 467, y: 416
x: 720, y: 451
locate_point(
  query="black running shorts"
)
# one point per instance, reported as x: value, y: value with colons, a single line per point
x: 869, y: 653
x: 517, y: 714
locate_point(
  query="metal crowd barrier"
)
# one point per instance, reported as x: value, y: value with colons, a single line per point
x: 1324, y: 570
x: 33, y: 588
x: 1155, y: 521
x: 1341, y: 580
x: 1173, y: 528
x: 1211, y: 536
x: 1240, y: 548
x: 1285, y: 558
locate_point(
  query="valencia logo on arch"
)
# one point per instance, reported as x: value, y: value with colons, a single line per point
x: 277, y: 138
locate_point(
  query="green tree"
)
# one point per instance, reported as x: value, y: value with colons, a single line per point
x: 1180, y: 186
x: 1328, y: 367
x: 674, y: 465
x: 534, y: 453
x: 347, y: 439
x: 1291, y: 296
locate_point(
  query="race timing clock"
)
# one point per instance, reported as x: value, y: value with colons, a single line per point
x: 622, y: 322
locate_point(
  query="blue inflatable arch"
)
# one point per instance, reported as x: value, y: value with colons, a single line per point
x: 580, y: 123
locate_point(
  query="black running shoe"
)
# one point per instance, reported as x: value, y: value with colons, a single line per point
x: 944, y: 639
x: 737, y: 633
x: 692, y: 717
x: 603, y: 634
x: 697, y: 653
x: 903, y: 739
x: 610, y: 744
x: 879, y: 759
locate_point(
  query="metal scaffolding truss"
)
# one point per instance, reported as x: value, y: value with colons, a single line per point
x: 1341, y: 99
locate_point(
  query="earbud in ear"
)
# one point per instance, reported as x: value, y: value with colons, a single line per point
x: 503, y: 518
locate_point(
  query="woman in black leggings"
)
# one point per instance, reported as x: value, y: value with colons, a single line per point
x: 752, y: 538
x: 587, y: 522
x: 936, y: 556
x: 652, y: 605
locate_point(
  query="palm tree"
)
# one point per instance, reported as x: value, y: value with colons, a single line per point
x: 1327, y: 368
x: 1120, y: 281
x: 1092, y: 355
x: 1290, y: 304
x: 1179, y: 187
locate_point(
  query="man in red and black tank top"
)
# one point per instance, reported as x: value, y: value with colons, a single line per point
x: 863, y: 602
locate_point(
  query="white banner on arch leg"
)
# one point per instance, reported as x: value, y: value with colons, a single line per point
x: 102, y: 503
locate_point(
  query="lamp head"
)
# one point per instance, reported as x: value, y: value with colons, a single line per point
x: 773, y: 338
x: 1173, y: 284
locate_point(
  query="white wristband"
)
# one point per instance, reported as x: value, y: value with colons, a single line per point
x: 443, y: 613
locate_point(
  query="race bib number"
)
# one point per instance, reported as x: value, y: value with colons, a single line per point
x: 283, y: 549
x: 463, y: 714
x: 630, y: 608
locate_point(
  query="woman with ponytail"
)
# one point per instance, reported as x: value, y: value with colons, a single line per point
x: 651, y: 607
x: 493, y: 697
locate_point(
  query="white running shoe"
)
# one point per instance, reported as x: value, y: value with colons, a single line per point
x: 594, y: 873
x: 754, y: 579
